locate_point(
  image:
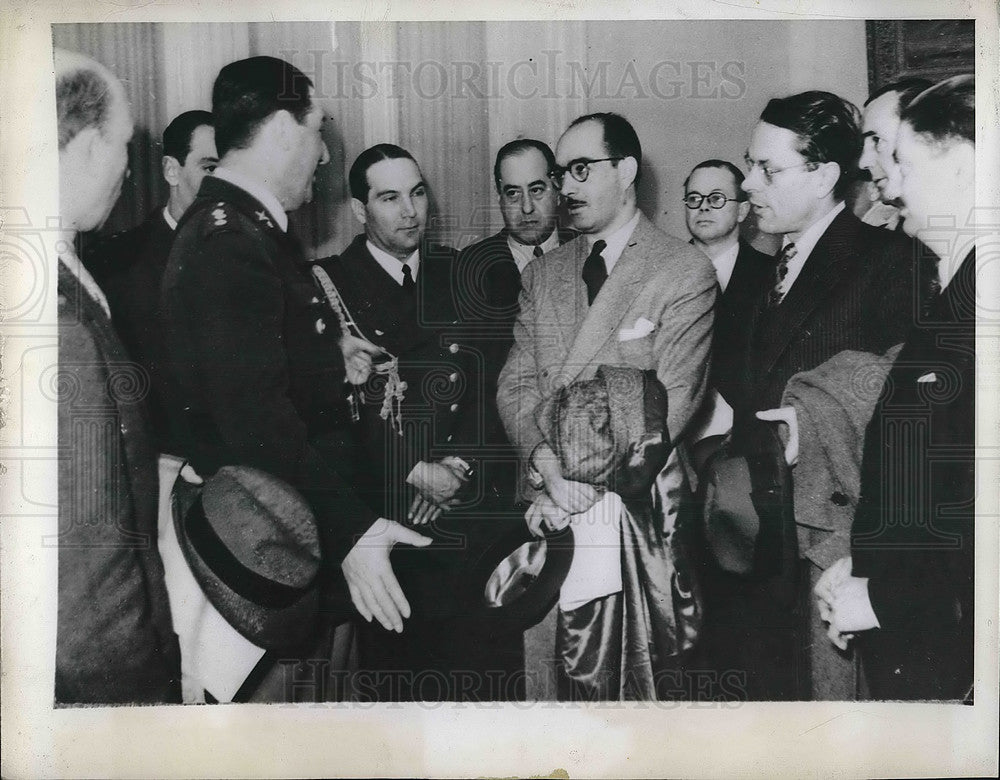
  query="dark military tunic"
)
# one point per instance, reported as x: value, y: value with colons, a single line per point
x: 253, y: 368
x: 443, y: 367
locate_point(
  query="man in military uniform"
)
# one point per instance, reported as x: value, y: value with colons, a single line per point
x: 129, y: 265
x: 255, y: 373
x: 420, y: 450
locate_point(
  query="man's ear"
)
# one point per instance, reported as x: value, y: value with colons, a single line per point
x: 628, y: 169
x: 359, y: 211
x: 171, y: 170
x: 742, y: 210
x: 828, y: 178
x: 87, y: 143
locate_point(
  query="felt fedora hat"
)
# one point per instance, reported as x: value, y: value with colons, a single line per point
x: 253, y: 546
x: 748, y: 517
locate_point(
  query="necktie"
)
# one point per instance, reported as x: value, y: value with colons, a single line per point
x: 780, y: 272
x: 537, y: 251
x: 408, y: 283
x: 594, y: 271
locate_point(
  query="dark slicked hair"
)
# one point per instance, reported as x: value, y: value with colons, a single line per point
x: 620, y: 139
x: 83, y: 99
x: 907, y: 89
x: 946, y: 111
x: 517, y: 147
x: 357, y: 178
x: 723, y: 164
x: 248, y: 92
x: 177, y: 135
x: 828, y: 129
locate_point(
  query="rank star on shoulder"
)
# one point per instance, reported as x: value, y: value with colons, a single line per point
x: 262, y: 216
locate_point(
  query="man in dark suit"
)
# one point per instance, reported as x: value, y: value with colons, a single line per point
x: 838, y: 284
x: 129, y: 265
x: 716, y: 206
x: 416, y: 452
x: 114, y: 638
x: 489, y: 271
x: 255, y: 373
x: 906, y: 591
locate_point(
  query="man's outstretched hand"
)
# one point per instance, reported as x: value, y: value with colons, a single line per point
x: 374, y: 588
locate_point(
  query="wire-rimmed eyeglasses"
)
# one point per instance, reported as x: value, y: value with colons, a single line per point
x: 716, y: 200
x: 579, y: 169
x: 769, y: 172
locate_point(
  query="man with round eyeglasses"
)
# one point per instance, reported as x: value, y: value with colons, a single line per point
x: 715, y: 206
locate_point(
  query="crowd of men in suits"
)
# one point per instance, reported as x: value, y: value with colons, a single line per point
x: 395, y: 390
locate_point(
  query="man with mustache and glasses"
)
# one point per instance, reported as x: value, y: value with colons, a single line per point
x: 624, y: 294
x: 420, y: 452
x: 837, y: 285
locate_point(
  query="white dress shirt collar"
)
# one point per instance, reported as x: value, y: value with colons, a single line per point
x: 525, y: 253
x: 804, y: 246
x: 263, y: 195
x: 616, y: 242
x: 393, y: 265
x: 171, y: 222
x: 724, y: 265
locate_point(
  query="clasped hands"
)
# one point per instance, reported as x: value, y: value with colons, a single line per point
x: 561, y: 497
x: 844, y: 603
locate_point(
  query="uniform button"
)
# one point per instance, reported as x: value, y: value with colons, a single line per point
x: 124, y: 429
x: 453, y: 378
x: 454, y: 407
x: 453, y: 348
x: 449, y: 437
x: 320, y: 325
x: 403, y: 386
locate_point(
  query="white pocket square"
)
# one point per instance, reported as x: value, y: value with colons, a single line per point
x: 642, y: 327
x: 931, y: 377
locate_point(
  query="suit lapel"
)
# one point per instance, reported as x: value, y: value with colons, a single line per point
x: 137, y: 451
x: 600, y: 322
x: 830, y: 264
x: 566, y: 295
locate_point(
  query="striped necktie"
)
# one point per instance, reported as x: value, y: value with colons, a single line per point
x: 780, y: 272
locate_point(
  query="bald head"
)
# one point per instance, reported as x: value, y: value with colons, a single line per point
x: 94, y: 130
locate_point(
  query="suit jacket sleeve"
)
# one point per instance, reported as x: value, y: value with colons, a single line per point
x: 235, y: 308
x: 683, y: 347
x: 518, y: 391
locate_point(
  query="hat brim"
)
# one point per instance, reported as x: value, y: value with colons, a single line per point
x: 528, y: 596
x: 285, y: 628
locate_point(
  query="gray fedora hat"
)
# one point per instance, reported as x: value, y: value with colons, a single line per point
x: 253, y: 545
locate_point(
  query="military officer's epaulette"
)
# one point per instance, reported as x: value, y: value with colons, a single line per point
x: 217, y: 217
